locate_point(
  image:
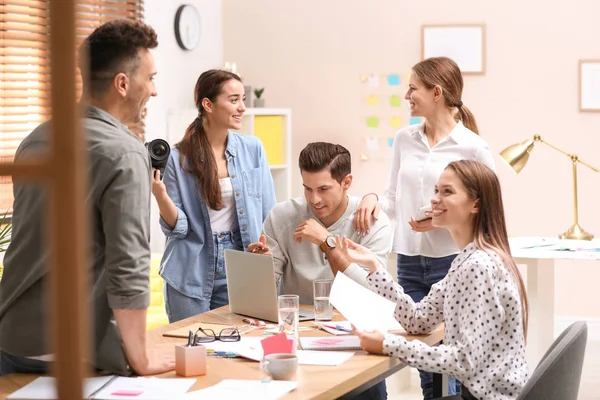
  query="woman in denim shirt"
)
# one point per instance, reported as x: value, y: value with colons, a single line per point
x: 216, y: 192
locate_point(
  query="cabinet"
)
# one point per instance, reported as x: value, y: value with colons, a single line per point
x: 273, y: 126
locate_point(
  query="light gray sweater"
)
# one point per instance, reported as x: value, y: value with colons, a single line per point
x: 297, y: 265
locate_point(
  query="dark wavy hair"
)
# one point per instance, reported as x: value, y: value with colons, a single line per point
x: 195, y: 147
x: 112, y: 49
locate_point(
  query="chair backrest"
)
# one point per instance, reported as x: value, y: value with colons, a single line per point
x: 558, y: 374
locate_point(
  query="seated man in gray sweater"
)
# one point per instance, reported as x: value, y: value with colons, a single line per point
x: 298, y: 233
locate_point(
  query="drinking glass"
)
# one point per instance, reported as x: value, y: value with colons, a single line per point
x: 323, y: 308
x: 288, y: 306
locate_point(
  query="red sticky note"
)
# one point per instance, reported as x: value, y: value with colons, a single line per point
x: 277, y: 344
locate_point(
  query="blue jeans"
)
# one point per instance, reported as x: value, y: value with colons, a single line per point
x: 10, y: 364
x: 180, y: 306
x: 375, y: 392
x: 416, y: 275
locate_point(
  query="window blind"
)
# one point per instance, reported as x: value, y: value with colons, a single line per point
x: 25, y: 67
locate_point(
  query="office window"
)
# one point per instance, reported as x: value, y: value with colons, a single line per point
x: 25, y: 67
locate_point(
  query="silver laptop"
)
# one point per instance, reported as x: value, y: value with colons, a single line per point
x: 251, y: 286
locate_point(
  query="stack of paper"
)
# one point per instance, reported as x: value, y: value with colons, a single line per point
x: 229, y: 389
x: 345, y: 327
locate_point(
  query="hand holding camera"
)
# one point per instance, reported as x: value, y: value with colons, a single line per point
x: 159, y: 151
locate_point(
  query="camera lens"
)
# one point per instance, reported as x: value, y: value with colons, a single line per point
x: 160, y: 150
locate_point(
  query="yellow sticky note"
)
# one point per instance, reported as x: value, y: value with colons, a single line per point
x: 364, y: 157
x: 395, y: 122
x: 372, y: 122
x: 395, y: 101
x: 363, y: 78
x: 372, y: 100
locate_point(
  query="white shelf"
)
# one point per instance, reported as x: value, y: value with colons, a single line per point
x: 267, y: 111
x: 279, y: 166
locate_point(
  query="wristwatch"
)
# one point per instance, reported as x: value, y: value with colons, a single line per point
x: 328, y: 244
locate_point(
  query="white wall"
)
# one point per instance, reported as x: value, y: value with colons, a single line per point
x: 178, y: 71
x: 309, y: 55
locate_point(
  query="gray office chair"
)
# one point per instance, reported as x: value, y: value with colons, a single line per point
x: 558, y: 374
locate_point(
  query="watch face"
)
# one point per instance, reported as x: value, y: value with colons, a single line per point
x: 187, y: 27
x: 330, y: 241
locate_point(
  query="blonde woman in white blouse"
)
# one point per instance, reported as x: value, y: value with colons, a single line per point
x: 481, y: 301
x: 420, y: 154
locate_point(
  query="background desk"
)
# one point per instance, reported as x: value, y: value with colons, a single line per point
x: 539, y: 254
x: 315, y: 382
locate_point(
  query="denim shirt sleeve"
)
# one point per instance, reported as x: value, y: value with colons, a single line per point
x: 279, y: 258
x: 171, y: 181
x: 268, y: 185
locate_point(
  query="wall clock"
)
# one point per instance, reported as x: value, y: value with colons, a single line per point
x: 187, y: 27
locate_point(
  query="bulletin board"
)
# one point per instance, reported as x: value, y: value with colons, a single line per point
x: 383, y: 111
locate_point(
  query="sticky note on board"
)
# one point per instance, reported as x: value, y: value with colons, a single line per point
x: 395, y: 101
x: 363, y: 79
x: 363, y: 157
x: 373, y: 81
x: 395, y: 122
x: 372, y: 143
x: 372, y: 122
x: 372, y: 100
x: 415, y: 120
x: 390, y: 142
x: 393, y: 79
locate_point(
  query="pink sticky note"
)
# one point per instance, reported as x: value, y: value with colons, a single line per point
x: 127, y: 393
x: 328, y: 342
x: 277, y: 344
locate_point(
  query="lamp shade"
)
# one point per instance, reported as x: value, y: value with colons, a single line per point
x: 517, y: 155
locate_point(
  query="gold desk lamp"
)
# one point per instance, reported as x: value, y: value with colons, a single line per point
x: 517, y: 155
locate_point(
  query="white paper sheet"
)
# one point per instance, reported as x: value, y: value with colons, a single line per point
x: 229, y: 389
x: 44, y: 388
x: 365, y: 309
x: 248, y: 347
x: 152, y: 388
x: 316, y: 357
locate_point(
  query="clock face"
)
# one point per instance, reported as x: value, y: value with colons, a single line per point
x: 187, y: 26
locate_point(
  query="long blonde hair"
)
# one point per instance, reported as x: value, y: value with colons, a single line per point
x: 490, y: 226
x: 443, y: 72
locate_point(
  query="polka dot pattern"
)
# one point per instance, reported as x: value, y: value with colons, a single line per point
x: 479, y: 303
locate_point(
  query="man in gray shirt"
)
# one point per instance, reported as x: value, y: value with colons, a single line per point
x: 298, y: 233
x: 119, y: 82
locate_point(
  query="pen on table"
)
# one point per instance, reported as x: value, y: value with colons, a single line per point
x: 337, y: 327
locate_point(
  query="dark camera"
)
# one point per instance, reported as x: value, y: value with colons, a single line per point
x: 159, y: 151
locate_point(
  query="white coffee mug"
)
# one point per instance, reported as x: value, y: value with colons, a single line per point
x: 280, y: 366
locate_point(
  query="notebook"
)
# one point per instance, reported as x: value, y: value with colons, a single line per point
x: 109, y: 388
x: 330, y: 343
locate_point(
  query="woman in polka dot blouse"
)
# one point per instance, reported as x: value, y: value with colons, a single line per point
x: 482, y: 300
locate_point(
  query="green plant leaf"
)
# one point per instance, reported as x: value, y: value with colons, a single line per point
x: 258, y: 92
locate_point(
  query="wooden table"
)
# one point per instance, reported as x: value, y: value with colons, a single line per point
x: 314, y: 382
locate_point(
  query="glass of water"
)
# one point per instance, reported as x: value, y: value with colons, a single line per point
x: 289, y: 311
x: 323, y: 308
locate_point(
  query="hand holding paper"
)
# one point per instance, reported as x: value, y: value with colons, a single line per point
x: 365, y: 309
